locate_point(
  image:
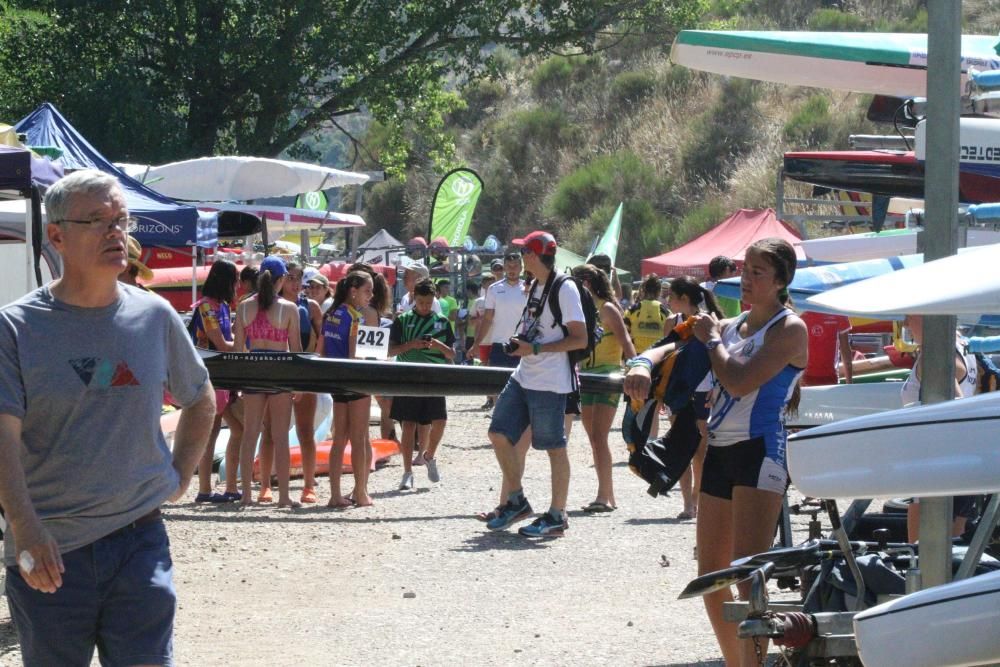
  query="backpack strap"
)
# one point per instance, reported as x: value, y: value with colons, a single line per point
x: 554, y: 306
x: 556, y: 309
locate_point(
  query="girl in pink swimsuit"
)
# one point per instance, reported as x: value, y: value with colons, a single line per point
x: 266, y: 323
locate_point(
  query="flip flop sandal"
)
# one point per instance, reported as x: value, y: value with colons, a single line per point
x: 598, y: 507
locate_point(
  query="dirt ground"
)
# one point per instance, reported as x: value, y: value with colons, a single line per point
x: 416, y: 580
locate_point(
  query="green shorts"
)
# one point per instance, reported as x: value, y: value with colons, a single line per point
x: 588, y: 399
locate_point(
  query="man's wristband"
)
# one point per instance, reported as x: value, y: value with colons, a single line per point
x: 637, y: 361
x: 536, y: 348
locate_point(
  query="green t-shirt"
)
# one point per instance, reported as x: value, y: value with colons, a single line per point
x: 448, y: 305
x: 411, y: 326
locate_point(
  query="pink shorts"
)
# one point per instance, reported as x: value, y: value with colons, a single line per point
x: 221, y: 400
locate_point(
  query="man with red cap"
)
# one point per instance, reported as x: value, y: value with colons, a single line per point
x: 535, y: 395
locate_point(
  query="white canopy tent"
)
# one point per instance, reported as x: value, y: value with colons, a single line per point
x: 381, y: 248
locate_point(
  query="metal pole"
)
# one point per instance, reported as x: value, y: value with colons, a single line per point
x: 944, y: 20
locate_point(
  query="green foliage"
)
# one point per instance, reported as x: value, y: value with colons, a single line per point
x: 725, y: 9
x: 721, y: 134
x: 917, y: 22
x: 628, y: 89
x: 699, y: 220
x: 534, y: 133
x: 480, y: 97
x: 834, y: 20
x: 811, y: 123
x: 385, y: 207
x: 604, y: 180
x: 676, y: 80
x: 254, y: 76
x: 562, y: 74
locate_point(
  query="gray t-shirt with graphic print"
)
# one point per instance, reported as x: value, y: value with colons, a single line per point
x: 88, y: 385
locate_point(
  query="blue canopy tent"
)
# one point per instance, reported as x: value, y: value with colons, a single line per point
x: 162, y: 221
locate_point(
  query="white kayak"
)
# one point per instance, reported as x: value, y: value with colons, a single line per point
x: 878, y: 245
x: 877, y: 63
x: 944, y: 449
x: 836, y: 402
x: 953, y: 625
x: 962, y: 284
x: 240, y: 178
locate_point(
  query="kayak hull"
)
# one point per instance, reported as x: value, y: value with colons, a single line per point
x: 306, y: 372
x: 945, y: 626
x: 944, y: 449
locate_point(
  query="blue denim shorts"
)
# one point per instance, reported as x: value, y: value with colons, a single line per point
x: 117, y: 595
x: 517, y: 408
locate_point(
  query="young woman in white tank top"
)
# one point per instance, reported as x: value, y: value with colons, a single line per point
x: 757, y: 359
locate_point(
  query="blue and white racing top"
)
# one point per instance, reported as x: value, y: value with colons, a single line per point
x: 761, y: 413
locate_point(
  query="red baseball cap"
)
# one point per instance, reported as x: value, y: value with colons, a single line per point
x: 539, y: 243
x: 439, y: 241
x: 417, y: 241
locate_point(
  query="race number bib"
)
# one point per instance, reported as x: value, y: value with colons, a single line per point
x: 373, y: 343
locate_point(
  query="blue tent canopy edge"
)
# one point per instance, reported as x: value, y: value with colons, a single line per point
x: 162, y: 221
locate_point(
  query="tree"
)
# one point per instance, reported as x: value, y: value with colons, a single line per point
x: 155, y: 80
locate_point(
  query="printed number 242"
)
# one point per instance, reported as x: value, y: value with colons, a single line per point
x: 373, y: 338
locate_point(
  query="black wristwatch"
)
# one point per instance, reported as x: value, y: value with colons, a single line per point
x: 713, y: 343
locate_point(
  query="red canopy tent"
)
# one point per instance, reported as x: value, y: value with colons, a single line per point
x: 334, y: 271
x: 731, y: 238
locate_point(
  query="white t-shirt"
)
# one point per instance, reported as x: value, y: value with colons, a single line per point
x: 479, y: 308
x: 507, y: 303
x: 405, y: 304
x: 550, y: 371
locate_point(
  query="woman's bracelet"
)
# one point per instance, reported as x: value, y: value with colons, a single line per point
x: 640, y: 360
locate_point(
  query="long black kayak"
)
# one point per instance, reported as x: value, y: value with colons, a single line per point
x: 307, y: 372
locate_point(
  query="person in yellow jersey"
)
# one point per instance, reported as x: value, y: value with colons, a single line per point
x: 598, y: 410
x: 647, y: 321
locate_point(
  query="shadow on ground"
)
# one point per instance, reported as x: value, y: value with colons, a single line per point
x: 665, y: 520
x: 502, y: 541
x: 8, y: 637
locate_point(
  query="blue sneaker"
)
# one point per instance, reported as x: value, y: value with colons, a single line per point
x: 510, y: 514
x: 546, y: 525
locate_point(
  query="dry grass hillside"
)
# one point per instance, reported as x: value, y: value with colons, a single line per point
x: 560, y: 141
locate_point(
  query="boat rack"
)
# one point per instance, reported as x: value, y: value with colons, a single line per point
x: 830, y: 635
x: 836, y: 218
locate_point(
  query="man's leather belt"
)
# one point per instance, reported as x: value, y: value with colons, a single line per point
x: 145, y: 519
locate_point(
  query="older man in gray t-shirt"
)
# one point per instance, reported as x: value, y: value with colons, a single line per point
x: 84, y: 362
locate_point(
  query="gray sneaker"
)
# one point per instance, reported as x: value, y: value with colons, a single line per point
x: 432, y: 470
x: 407, y: 482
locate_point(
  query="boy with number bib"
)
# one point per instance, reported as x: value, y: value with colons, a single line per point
x: 421, y: 336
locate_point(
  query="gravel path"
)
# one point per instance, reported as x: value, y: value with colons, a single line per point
x: 416, y: 580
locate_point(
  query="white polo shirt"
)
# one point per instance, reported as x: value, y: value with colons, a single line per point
x: 507, y: 303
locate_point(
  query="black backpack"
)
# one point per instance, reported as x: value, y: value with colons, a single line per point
x: 590, y: 316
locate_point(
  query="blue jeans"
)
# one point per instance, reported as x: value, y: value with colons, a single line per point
x: 117, y: 594
x: 517, y: 408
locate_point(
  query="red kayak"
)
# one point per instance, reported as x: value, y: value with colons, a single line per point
x: 881, y: 172
x: 382, y: 451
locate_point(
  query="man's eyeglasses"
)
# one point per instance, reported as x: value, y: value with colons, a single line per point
x: 125, y: 222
